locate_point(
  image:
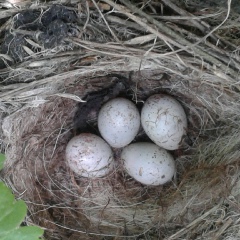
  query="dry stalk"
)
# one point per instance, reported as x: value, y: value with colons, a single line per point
x: 185, y: 45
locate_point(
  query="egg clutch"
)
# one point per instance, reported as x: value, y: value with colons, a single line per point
x: 162, y: 118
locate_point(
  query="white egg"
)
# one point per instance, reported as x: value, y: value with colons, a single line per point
x: 164, y: 121
x: 119, y: 122
x: 89, y: 156
x: 148, y: 163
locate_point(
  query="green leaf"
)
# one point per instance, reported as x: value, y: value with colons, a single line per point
x: 25, y: 233
x: 6, y: 201
x: 12, y: 214
x: 2, y: 159
x: 14, y: 218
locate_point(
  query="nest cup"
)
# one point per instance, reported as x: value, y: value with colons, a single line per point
x: 37, y: 123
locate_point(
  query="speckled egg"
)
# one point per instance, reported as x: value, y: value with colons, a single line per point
x: 148, y: 163
x: 164, y: 121
x: 118, y: 122
x: 89, y: 156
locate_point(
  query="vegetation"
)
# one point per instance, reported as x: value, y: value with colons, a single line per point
x: 12, y: 215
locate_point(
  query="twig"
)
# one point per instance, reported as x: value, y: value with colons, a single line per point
x: 190, y: 17
x: 217, y: 27
x: 222, y: 229
x: 143, y: 23
x: 124, y: 22
x: 180, y: 233
x: 183, y: 12
x: 8, y: 13
x: 111, y: 31
x: 218, y: 53
x: 88, y: 16
x: 140, y: 40
x: 183, y: 44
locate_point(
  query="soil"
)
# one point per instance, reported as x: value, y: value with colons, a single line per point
x: 46, y: 29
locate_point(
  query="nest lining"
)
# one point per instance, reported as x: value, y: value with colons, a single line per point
x: 40, y: 93
x: 114, y: 206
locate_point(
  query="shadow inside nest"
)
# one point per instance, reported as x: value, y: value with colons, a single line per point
x: 86, y: 114
x: 94, y: 100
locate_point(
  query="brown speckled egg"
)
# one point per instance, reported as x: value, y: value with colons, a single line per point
x: 148, y: 163
x: 89, y: 156
x: 119, y: 122
x: 164, y: 121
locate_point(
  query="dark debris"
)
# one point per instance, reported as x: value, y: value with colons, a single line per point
x: 94, y: 100
x: 53, y: 26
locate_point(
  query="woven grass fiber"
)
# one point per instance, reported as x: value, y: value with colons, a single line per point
x: 54, y: 53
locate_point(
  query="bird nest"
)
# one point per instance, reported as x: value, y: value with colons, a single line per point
x: 54, y: 55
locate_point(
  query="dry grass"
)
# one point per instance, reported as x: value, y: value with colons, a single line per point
x: 164, y: 47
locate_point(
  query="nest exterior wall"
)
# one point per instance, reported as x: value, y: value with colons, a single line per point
x: 116, y: 205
